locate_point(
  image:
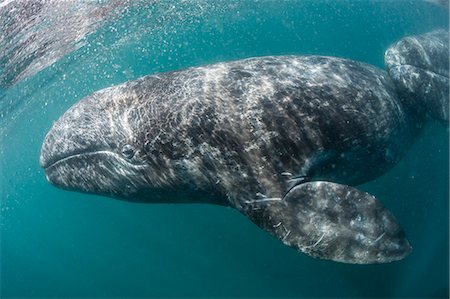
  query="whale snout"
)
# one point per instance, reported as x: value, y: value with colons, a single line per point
x: 80, y: 130
x: 88, y: 148
x: 75, y: 142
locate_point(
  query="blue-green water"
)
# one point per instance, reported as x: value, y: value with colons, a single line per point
x: 56, y: 243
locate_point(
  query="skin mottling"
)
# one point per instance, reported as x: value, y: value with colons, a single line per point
x: 279, y: 138
x: 244, y: 123
x: 419, y: 68
x: 328, y: 215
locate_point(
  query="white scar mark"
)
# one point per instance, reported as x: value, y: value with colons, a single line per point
x: 317, y: 242
x: 277, y: 225
x: 379, y: 238
x: 287, y: 232
x: 126, y: 124
x: 262, y: 200
x: 286, y: 235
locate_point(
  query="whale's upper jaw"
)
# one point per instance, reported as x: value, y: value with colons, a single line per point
x: 51, y: 158
x: 83, y: 149
x: 86, y: 127
x: 70, y: 147
x: 75, y: 133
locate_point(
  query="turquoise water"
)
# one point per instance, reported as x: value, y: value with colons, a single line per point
x: 56, y: 243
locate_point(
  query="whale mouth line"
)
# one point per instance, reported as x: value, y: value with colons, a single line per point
x: 105, y: 153
x: 76, y: 155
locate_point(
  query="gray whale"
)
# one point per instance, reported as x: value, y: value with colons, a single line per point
x: 281, y: 138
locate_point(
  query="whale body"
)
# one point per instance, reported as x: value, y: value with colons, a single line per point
x: 280, y: 138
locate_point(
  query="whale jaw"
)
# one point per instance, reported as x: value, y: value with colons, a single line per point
x: 99, y: 172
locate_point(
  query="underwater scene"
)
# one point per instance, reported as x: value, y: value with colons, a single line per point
x: 236, y: 148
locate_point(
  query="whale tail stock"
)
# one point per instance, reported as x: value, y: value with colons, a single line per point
x: 332, y: 221
x: 419, y: 67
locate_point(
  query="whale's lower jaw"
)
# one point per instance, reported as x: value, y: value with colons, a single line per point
x: 73, y: 157
x: 100, y: 172
x: 105, y: 173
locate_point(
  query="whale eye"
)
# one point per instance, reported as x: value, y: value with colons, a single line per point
x: 128, y: 151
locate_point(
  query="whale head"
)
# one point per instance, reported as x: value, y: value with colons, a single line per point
x: 98, y: 147
x: 419, y: 68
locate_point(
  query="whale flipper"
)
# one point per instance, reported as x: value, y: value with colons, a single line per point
x: 332, y: 221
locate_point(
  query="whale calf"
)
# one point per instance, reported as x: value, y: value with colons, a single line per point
x: 283, y: 139
x: 419, y: 68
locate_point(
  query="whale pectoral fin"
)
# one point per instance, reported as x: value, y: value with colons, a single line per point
x: 332, y: 221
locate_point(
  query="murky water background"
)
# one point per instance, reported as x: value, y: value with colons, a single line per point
x: 56, y: 243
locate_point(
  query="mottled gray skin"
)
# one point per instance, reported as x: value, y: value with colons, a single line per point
x: 332, y: 221
x: 254, y: 120
x: 419, y: 68
x: 246, y: 133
